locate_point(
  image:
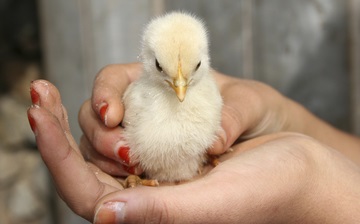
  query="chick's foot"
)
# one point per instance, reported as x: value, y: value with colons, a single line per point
x: 134, y: 180
x: 213, y: 160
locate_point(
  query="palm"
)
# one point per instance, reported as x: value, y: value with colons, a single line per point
x: 83, y: 185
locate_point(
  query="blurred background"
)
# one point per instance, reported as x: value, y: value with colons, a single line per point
x: 309, y: 50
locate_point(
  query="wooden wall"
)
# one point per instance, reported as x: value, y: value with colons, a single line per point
x: 354, y: 62
x: 309, y: 50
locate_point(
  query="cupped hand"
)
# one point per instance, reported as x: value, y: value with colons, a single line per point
x: 100, y: 119
x: 250, y: 109
x: 271, y: 179
x: 79, y: 183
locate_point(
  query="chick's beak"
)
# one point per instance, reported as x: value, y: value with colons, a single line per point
x: 179, y: 84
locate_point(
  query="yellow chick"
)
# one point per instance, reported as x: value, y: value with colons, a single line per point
x: 173, y: 112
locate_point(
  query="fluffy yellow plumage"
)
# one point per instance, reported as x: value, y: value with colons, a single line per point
x: 172, y: 113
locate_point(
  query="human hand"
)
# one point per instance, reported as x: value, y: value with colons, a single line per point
x: 272, y: 179
x: 277, y: 178
x: 102, y: 142
x: 250, y: 109
x: 80, y: 184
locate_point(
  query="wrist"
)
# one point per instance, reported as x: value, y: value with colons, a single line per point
x: 299, y: 119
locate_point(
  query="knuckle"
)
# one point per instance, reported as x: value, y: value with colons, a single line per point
x: 157, y: 211
x: 106, y: 70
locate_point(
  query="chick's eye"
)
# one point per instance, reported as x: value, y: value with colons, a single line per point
x: 198, y: 66
x: 158, y: 67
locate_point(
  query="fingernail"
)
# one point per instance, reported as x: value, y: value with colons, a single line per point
x: 132, y: 169
x: 32, y: 123
x: 103, y: 113
x: 122, y: 153
x: 110, y: 212
x: 35, y: 97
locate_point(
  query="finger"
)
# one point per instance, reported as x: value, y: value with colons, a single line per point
x: 240, y: 111
x: 45, y: 94
x: 223, y: 196
x: 70, y: 172
x: 164, y: 205
x: 218, y: 146
x: 76, y: 183
x: 107, y: 165
x: 251, y: 109
x: 198, y: 202
x: 109, y: 86
x: 108, y: 142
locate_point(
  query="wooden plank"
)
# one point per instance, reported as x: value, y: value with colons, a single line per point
x: 354, y: 50
x: 113, y: 33
x: 60, y: 25
x: 301, y: 51
x: 247, y: 33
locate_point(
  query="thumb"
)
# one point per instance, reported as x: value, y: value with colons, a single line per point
x: 187, y: 203
x: 250, y: 109
x: 109, y: 86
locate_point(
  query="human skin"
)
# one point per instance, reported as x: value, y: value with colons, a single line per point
x: 251, y: 109
x: 276, y: 178
x: 280, y: 177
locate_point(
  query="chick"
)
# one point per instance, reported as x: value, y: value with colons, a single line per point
x: 172, y: 113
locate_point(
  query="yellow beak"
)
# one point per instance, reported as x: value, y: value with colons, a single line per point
x: 179, y: 84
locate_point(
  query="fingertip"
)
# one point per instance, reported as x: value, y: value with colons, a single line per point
x: 110, y: 111
x: 115, y: 113
x: 133, y: 170
x: 34, y: 95
x: 219, y: 146
x: 32, y: 121
x: 44, y: 94
x: 121, y: 152
x: 110, y: 212
x: 122, y: 155
x: 103, y: 112
x: 42, y: 87
x: 109, y: 86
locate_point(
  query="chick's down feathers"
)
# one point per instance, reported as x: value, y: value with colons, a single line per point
x: 172, y: 113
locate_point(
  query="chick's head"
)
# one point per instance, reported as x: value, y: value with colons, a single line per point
x: 175, y: 51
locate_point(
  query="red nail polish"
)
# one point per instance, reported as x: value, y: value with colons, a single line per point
x: 130, y: 169
x: 103, y: 111
x: 32, y: 123
x: 124, y: 154
x: 35, y: 97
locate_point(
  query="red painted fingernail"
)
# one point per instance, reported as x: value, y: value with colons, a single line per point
x: 130, y: 169
x: 123, y: 153
x: 32, y: 123
x: 103, y: 111
x: 35, y: 97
